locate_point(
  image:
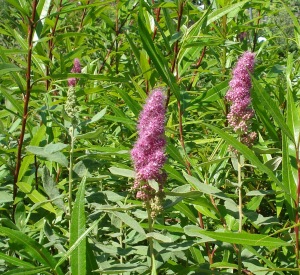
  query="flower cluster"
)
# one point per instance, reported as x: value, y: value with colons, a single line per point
x: 76, y: 69
x: 148, y: 154
x: 71, y: 107
x: 239, y: 96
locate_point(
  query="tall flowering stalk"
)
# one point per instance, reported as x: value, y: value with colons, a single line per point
x: 72, y: 109
x: 148, y: 155
x: 240, y: 114
x: 239, y: 119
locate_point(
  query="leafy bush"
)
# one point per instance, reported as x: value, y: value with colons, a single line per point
x: 68, y: 205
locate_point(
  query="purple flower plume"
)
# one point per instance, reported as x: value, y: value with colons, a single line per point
x: 148, y: 153
x: 239, y: 96
x: 76, y: 69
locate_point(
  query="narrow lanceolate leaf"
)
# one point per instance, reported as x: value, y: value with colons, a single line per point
x: 271, y: 107
x: 242, y: 238
x: 14, y: 102
x: 131, y: 222
x: 35, y: 196
x: 218, y: 13
x: 7, y: 68
x: 51, y: 188
x: 78, y: 242
x: 295, y: 23
x: 122, y: 172
x: 78, y: 256
x: 288, y: 179
x: 36, y: 250
x: 156, y: 56
x: 14, y: 261
x: 27, y: 271
x: 293, y: 115
x: 248, y: 154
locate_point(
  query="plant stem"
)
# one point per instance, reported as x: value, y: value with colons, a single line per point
x: 240, y: 212
x: 117, y: 34
x: 31, y: 27
x: 71, y: 132
x: 296, y: 209
x: 51, y: 44
x: 150, y: 239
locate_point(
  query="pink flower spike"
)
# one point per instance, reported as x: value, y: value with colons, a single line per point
x: 76, y: 69
x: 148, y: 153
x: 239, y: 95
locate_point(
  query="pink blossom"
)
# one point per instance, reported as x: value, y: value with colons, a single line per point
x: 239, y: 95
x: 76, y: 69
x: 148, y: 153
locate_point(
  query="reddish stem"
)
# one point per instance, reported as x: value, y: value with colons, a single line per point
x: 176, y: 46
x: 198, y: 64
x: 114, y: 41
x: 255, y: 33
x: 82, y: 17
x: 31, y: 27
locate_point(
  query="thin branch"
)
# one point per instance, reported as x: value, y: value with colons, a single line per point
x: 198, y: 64
x: 31, y: 27
x: 51, y: 44
x: 114, y: 41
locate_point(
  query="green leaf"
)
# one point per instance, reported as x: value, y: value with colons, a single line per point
x: 8, y: 95
x: 259, y: 255
x: 7, y: 68
x: 122, y: 172
x: 206, y: 188
x: 271, y: 107
x: 78, y: 242
x: 78, y: 221
x: 248, y: 154
x: 219, y: 13
x: 242, y: 238
x: 50, y: 152
x: 51, y: 188
x: 134, y: 107
x: 5, y: 196
x: 28, y: 160
x: 159, y: 237
x: 14, y: 260
x: 295, y: 23
x: 91, y: 135
x: 36, y: 250
x: 35, y: 196
x: 115, y: 79
x: 224, y: 265
x: 122, y: 268
x: 27, y: 271
x: 156, y: 56
x: 173, y: 173
x: 185, y: 210
x: 289, y: 175
x: 97, y: 116
x: 174, y: 153
x: 131, y: 222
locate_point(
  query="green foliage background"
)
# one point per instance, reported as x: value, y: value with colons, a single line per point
x: 126, y: 49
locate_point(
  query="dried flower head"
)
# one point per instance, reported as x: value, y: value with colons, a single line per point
x: 240, y: 114
x: 148, y: 153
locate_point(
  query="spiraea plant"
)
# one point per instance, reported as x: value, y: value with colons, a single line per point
x: 148, y: 154
x: 104, y: 173
x: 241, y: 111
